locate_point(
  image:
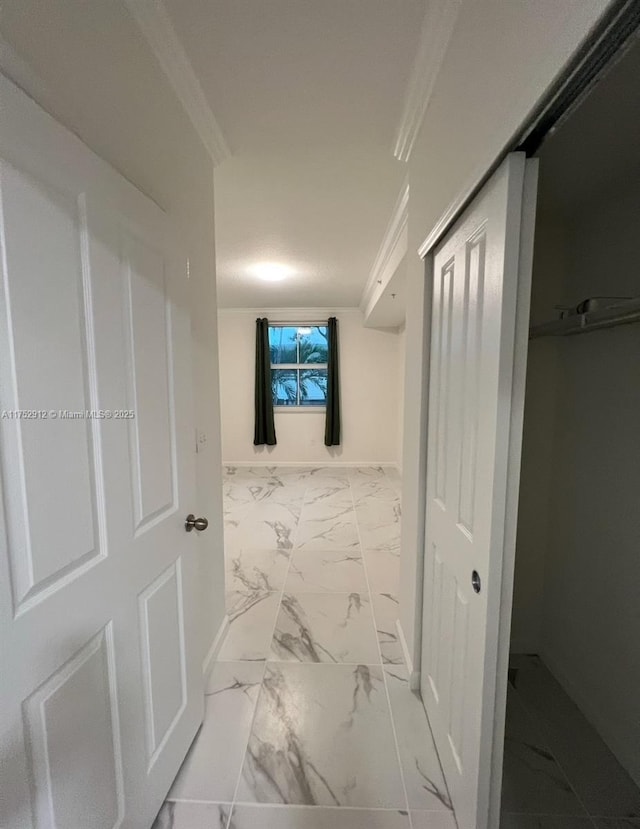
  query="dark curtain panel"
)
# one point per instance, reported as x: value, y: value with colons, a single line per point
x: 332, y: 425
x: 265, y: 430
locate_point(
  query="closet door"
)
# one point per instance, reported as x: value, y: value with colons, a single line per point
x: 478, y: 283
x: 101, y: 680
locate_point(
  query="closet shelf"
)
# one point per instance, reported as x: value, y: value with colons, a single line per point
x: 622, y: 313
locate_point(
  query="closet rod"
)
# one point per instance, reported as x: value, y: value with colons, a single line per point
x: 589, y: 321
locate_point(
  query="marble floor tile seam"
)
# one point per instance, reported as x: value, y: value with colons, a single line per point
x: 309, y: 806
x: 384, y: 677
x: 556, y: 761
x: 280, y: 594
x: 386, y: 686
x: 204, y: 802
x: 253, y: 716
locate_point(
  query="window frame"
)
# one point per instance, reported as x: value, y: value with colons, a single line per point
x: 297, y: 407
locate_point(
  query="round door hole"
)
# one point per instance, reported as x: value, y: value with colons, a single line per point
x: 476, y: 582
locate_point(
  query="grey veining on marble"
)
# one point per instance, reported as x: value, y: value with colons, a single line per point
x: 193, y: 816
x: 379, y: 523
x: 325, y: 627
x: 383, y: 569
x: 266, y: 527
x: 256, y: 571
x: 322, y: 735
x: 329, y: 524
x: 252, y: 617
x: 211, y: 768
x: 316, y: 817
x: 385, y: 612
x: 599, y: 780
x: 318, y: 733
x: 424, y: 781
x: 329, y: 571
x: 533, y: 782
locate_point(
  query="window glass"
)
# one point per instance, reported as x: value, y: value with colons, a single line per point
x: 298, y: 364
x: 283, y: 344
x: 313, y: 387
x: 284, y: 384
x: 313, y: 344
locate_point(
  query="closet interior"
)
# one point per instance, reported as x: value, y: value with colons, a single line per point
x: 572, y: 745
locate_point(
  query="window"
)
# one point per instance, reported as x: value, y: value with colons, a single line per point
x: 298, y: 364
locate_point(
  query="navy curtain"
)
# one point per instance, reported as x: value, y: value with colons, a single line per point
x: 332, y: 424
x: 265, y: 430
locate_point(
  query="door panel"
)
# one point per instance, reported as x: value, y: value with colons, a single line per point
x: 476, y: 277
x: 101, y: 680
x: 150, y: 383
x: 162, y: 631
x: 74, y: 713
x: 52, y: 526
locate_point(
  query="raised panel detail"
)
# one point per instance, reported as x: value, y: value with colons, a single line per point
x: 458, y: 686
x: 163, y: 656
x: 471, y: 348
x: 443, y: 301
x: 436, y: 619
x: 48, y: 467
x: 150, y: 370
x: 72, y: 731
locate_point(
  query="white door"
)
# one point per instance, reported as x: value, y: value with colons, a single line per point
x: 101, y: 684
x: 479, y: 284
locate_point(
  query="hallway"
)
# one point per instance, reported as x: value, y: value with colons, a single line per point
x: 308, y: 704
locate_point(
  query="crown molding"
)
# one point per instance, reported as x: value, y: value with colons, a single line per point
x: 156, y: 26
x: 389, y: 249
x: 437, y: 28
x: 296, y: 314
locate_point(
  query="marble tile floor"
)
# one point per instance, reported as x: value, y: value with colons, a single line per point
x: 309, y: 722
x: 558, y: 772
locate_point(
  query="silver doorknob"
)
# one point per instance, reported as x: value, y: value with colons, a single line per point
x: 193, y: 523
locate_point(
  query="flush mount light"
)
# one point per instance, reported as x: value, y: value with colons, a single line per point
x: 270, y: 271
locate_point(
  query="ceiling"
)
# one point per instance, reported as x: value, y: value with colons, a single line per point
x: 308, y: 96
x: 595, y: 149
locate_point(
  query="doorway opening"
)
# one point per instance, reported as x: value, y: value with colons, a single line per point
x: 573, y: 712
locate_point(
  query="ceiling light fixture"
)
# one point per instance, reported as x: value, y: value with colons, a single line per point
x: 270, y: 271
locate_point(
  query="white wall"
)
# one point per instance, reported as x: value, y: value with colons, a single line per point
x: 98, y: 77
x: 589, y: 619
x: 369, y: 385
x: 538, y: 455
x: 500, y: 60
x: 402, y: 356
